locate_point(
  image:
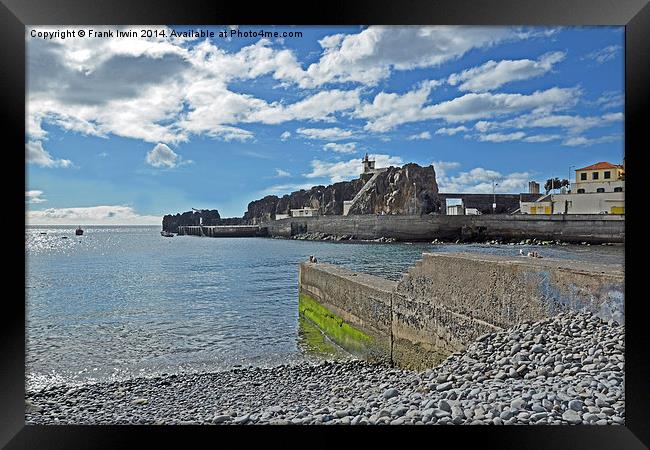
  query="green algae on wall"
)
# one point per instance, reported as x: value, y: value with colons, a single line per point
x: 333, y: 326
x: 314, y: 341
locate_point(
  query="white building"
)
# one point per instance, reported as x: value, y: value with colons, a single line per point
x: 599, y: 178
x: 598, y: 189
x: 593, y: 203
x: 455, y: 207
x: 281, y: 216
x: 346, y: 206
x: 455, y: 210
x: 368, y: 164
x: 305, y: 211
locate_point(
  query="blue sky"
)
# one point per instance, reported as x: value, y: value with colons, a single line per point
x: 127, y: 130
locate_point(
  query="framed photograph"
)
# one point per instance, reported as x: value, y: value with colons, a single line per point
x: 371, y: 214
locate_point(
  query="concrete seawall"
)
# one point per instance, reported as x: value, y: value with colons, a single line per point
x: 353, y: 309
x: 448, y: 300
x: 568, y: 228
x: 224, y: 231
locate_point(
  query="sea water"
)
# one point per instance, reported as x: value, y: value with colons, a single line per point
x: 120, y: 302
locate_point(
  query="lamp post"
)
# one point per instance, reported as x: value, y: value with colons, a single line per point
x: 494, y: 197
x: 415, y: 201
x: 570, y: 167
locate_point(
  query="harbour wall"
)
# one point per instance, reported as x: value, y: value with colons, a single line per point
x: 353, y: 309
x: 223, y: 231
x: 448, y: 300
x: 568, y: 228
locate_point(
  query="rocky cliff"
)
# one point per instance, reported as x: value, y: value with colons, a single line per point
x: 328, y: 198
x: 410, y: 189
x: 209, y: 217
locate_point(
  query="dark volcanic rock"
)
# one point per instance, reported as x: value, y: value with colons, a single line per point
x: 261, y: 210
x: 391, y: 192
x: 394, y: 192
x: 330, y: 198
x: 209, y: 217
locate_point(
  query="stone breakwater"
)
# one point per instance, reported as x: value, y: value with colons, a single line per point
x: 591, y: 228
x: 568, y: 369
x: 335, y: 237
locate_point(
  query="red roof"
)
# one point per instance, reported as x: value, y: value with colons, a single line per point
x: 602, y: 165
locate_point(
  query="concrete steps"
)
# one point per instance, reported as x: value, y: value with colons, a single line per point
x: 365, y: 187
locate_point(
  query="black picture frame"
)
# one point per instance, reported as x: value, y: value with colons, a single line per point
x: 633, y: 14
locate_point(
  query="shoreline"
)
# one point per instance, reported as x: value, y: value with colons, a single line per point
x: 566, y: 369
x: 319, y: 236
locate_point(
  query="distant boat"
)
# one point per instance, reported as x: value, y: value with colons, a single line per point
x: 165, y: 233
x: 79, y: 231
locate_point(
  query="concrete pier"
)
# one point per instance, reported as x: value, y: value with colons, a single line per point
x: 224, y: 231
x: 566, y: 228
x: 448, y: 300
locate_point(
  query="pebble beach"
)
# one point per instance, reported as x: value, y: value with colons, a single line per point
x: 568, y: 369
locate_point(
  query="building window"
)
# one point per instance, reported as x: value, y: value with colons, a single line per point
x: 594, y: 176
x: 607, y: 174
x: 583, y: 176
x: 581, y: 191
x: 600, y: 190
x: 618, y: 189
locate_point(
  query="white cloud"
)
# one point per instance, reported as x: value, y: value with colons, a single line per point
x: 576, y: 141
x: 286, y: 135
x: 36, y: 154
x: 542, y: 138
x: 170, y: 89
x: 333, y: 134
x: 34, y: 197
x: 370, y: 56
x: 573, y: 123
x: 451, y: 131
x: 282, y: 173
x: 216, y: 105
x: 349, y: 147
x: 610, y: 99
x: 604, y: 54
x: 479, y: 180
x: 318, y: 107
x: 492, y: 74
x: 163, y: 156
x: 475, y: 106
x: 421, y: 136
x: 498, y: 137
x: 281, y: 189
x: 390, y: 110
x: 347, y: 170
x: 165, y: 90
x: 92, y: 215
x: 442, y: 168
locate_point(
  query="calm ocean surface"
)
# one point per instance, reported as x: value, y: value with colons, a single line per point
x: 123, y: 301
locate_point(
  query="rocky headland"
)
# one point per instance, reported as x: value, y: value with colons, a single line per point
x: 568, y: 369
x: 410, y: 189
x: 394, y: 190
x: 207, y: 217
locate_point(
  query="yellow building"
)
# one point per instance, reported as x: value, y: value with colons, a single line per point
x: 599, y: 177
x: 598, y: 189
x: 543, y: 207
